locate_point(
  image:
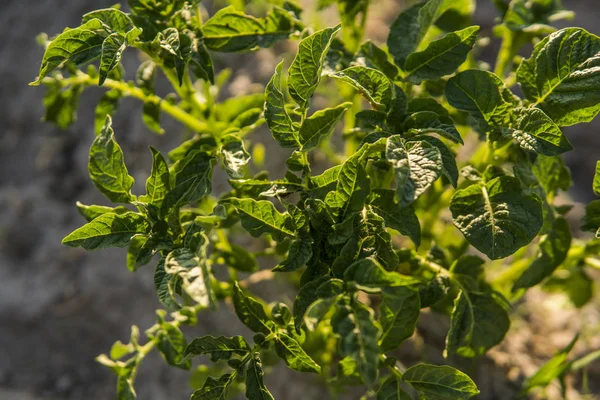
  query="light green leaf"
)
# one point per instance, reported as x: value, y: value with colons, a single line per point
x: 107, y: 166
x: 479, y: 321
x: 370, y: 83
x: 410, y: 27
x: 260, y: 216
x: 417, y: 166
x: 299, y: 254
x: 562, y: 76
x: 423, y: 122
x: 369, y: 276
x: 290, y: 351
x: 158, y: 183
x: 535, y: 131
x: 483, y: 95
x: 112, y: 52
x: 320, y: 125
x: 391, y: 390
x: 372, y: 56
x: 402, y: 219
x: 79, y: 46
x: 596, y: 185
x: 219, y: 348
x: 442, y: 382
x: 194, y: 273
x: 553, y: 249
x: 235, y: 156
x: 214, y: 389
x: 251, y: 312
x: 551, y: 370
x: 191, y: 180
x: 552, y: 173
x: 108, y: 104
x: 358, y: 334
x: 352, y: 188
x: 399, y: 312
x: 305, y: 71
x: 92, y: 212
x: 61, y: 104
x: 237, y: 257
x: 255, y: 386
x: 107, y: 230
x: 166, y: 287
x: 171, y: 344
x: 591, y: 219
x: 442, y: 57
x: 277, y: 117
x: 233, y: 31
x: 497, y: 217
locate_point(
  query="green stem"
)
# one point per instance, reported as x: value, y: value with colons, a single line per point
x: 506, y: 53
x: 129, y: 90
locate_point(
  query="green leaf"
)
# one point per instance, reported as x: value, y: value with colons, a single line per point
x: 107, y: 166
x: 61, y: 104
x: 255, y: 386
x: 158, y: 183
x: 107, y: 230
x: 235, y: 156
x: 191, y: 180
x: 442, y: 382
x: 305, y: 71
x: 352, y: 188
x: 410, y: 27
x: 553, y: 249
x: 166, y: 287
x: 591, y: 219
x: 449, y: 167
x: 442, y: 57
x: 552, y: 174
x: 260, y: 217
x: 369, y: 276
x: 112, y: 52
x: 145, y: 80
x: 233, y: 31
x: 399, y: 312
x: 78, y: 46
x: 307, y: 295
x: 562, y: 78
x: 483, y: 95
x: 391, y: 390
x: 108, y: 105
x: 370, y: 83
x: 551, y: 370
x: 115, y: 19
x: 374, y: 57
x: 535, y: 131
x: 320, y: 125
x: 219, y: 348
x: 277, y: 117
x: 596, y: 185
x: 214, y: 389
x: 299, y: 254
x: 171, y: 344
x: 497, y: 217
x: 194, y: 273
x: 92, y: 212
x: 417, y: 166
x: 201, y: 64
x: 238, y: 257
x: 423, y: 122
x: 479, y: 321
x: 402, y: 219
x: 358, y: 334
x: 251, y: 312
x: 290, y: 351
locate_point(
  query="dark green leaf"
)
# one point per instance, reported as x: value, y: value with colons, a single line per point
x: 107, y: 230
x: 442, y: 382
x: 107, y: 105
x: 479, y: 322
x: 290, y: 351
x: 260, y: 217
x: 402, y: 219
x: 422, y: 122
x: 391, y: 390
x: 166, y: 287
x: 92, y: 212
x: 171, y: 344
x: 277, y: 117
x: 251, y: 312
x: 112, y: 52
x: 442, y: 57
x: 320, y: 125
x: 306, y: 296
x: 497, y: 217
x: 591, y: 219
x: 352, y: 188
x: 370, y: 83
x: 213, y: 389
x: 115, y: 19
x: 535, y: 131
x: 255, y: 386
x: 158, y: 183
x: 374, y: 57
x: 305, y: 71
x: 219, y: 348
x: 299, y: 254
x: 369, y: 276
x: 398, y: 316
x: 596, y: 184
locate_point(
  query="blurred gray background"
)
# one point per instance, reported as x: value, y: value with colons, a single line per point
x: 60, y: 307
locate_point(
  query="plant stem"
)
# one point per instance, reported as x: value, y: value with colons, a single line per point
x: 130, y: 90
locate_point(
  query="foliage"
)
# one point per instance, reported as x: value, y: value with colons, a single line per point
x: 367, y: 243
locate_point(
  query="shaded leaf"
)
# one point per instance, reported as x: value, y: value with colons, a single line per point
x: 440, y: 382
x: 290, y: 351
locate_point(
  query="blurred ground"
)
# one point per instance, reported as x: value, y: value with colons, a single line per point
x: 60, y: 307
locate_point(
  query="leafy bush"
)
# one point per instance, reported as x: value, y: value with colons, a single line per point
x: 370, y: 241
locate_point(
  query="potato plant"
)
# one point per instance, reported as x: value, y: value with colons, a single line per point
x: 375, y: 216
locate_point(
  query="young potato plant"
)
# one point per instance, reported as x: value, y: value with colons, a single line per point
x: 393, y: 225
